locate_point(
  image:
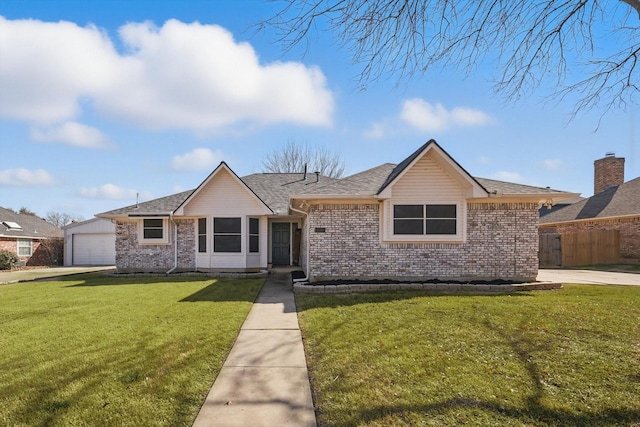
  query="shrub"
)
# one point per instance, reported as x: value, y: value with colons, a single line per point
x: 8, y: 259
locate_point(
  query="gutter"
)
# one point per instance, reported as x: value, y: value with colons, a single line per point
x: 175, y: 245
x: 306, y: 278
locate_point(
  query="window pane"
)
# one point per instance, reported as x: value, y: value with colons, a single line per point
x: 153, y: 233
x: 441, y: 226
x: 202, y: 235
x: 154, y: 223
x: 24, y: 247
x: 408, y: 211
x: 254, y: 226
x: 222, y: 243
x: 227, y: 225
x: 254, y: 243
x: 408, y: 226
x: 441, y: 211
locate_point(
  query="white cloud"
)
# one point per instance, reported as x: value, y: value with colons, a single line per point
x: 424, y: 116
x: 26, y: 178
x: 196, y: 160
x: 72, y: 133
x: 108, y: 191
x: 484, y: 160
x: 376, y: 131
x: 178, y: 76
x: 552, y: 164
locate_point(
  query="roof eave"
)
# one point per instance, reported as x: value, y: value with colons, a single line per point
x: 597, y: 218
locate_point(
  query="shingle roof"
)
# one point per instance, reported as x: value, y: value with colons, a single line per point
x: 502, y: 187
x: 365, y: 183
x: 163, y: 205
x: 615, y: 201
x: 275, y: 188
x: 32, y: 227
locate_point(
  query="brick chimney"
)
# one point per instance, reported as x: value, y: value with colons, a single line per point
x: 608, y: 171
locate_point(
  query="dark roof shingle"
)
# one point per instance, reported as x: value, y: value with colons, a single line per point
x: 31, y: 226
x: 615, y: 201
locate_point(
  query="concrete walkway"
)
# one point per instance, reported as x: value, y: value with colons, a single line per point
x: 264, y: 381
x: 46, y: 273
x: 589, y: 277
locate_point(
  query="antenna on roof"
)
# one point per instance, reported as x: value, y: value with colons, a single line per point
x: 304, y: 178
x: 137, y: 195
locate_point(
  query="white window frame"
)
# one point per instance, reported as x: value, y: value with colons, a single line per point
x: 154, y: 241
x: 386, y: 223
x: 250, y: 234
x: 199, y: 234
x: 26, y: 243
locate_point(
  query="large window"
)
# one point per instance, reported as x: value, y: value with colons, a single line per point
x: 202, y: 235
x: 254, y: 235
x: 424, y: 220
x: 25, y: 247
x: 227, y: 235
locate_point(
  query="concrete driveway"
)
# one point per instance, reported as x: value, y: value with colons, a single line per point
x: 46, y: 273
x: 589, y: 277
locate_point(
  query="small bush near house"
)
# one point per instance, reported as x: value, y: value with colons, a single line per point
x: 8, y: 260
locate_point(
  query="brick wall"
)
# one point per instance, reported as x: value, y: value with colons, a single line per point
x: 607, y: 171
x: 629, y: 232
x: 44, y: 253
x: 131, y: 256
x: 502, y: 243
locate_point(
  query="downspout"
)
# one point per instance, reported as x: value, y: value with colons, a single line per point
x: 306, y: 278
x: 175, y: 245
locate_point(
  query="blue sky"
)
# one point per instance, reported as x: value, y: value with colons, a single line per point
x: 100, y: 100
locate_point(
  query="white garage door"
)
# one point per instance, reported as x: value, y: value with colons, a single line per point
x: 94, y: 249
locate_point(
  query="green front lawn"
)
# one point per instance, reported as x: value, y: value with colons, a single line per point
x: 97, y: 350
x: 548, y: 358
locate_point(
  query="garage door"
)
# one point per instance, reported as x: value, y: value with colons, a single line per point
x: 94, y: 249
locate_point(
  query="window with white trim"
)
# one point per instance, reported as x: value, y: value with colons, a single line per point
x: 254, y: 235
x: 430, y: 219
x: 25, y: 247
x: 202, y: 235
x: 227, y: 234
x: 154, y: 231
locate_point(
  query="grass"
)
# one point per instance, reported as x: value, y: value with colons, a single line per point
x: 552, y: 358
x: 96, y: 350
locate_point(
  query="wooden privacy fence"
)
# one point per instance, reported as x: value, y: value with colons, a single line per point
x: 590, y: 247
x: 550, y: 252
x: 575, y: 249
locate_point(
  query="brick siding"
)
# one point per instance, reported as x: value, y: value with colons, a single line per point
x: 133, y: 257
x: 608, y: 171
x: 502, y: 243
x: 43, y: 254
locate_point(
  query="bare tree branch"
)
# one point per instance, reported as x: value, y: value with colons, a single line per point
x: 578, y: 47
x: 294, y: 157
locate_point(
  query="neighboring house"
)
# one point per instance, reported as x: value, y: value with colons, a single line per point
x: 423, y: 218
x: 91, y: 242
x: 615, y: 205
x: 34, y: 240
x: 546, y: 209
